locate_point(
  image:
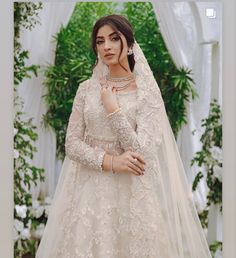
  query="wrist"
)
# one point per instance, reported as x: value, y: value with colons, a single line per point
x: 112, y: 108
x: 113, y: 111
x: 107, y: 162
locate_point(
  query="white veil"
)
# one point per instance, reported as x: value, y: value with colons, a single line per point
x: 164, y: 188
x: 167, y: 174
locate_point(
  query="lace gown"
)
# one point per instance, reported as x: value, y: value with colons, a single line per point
x: 99, y: 214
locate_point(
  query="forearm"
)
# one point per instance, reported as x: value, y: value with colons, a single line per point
x: 126, y: 135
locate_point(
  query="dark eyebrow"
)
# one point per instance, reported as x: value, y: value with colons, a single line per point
x: 111, y: 34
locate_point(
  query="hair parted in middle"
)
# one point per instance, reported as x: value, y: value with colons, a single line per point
x: 119, y: 24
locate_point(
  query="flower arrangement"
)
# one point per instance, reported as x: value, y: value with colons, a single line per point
x: 29, y: 215
x: 29, y: 224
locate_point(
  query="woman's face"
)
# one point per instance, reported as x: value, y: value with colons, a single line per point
x: 108, y: 46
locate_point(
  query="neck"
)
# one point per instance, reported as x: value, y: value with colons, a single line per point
x: 117, y: 71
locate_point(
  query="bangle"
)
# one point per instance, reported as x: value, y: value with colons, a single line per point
x: 112, y: 164
x: 117, y: 110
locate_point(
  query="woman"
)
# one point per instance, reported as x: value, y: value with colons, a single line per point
x: 123, y: 190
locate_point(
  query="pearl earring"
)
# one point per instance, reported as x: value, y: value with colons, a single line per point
x: 130, y: 52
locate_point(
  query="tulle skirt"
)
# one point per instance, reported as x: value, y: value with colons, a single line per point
x: 104, y: 215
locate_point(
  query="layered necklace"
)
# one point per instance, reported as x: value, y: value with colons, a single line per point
x: 127, y: 79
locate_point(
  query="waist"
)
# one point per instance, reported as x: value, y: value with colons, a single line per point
x: 110, y: 144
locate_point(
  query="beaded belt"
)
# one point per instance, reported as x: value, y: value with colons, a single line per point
x: 111, y: 145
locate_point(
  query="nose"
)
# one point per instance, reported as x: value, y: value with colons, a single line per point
x: 106, y: 46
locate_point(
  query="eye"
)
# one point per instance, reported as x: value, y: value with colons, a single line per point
x: 115, y: 38
x: 99, y: 42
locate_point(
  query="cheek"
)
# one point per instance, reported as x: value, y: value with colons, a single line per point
x: 124, y: 52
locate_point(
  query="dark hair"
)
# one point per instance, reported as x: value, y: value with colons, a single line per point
x: 118, y: 23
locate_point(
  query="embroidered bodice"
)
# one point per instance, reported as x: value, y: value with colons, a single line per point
x: 91, y: 133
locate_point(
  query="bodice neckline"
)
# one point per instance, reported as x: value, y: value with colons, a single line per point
x: 126, y: 92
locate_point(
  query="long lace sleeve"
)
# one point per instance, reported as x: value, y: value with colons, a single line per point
x: 146, y: 133
x: 76, y: 149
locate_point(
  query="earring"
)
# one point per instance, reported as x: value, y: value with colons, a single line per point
x: 98, y: 56
x: 130, y: 52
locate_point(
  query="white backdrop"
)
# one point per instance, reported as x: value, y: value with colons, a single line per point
x: 192, y: 40
x: 41, y: 47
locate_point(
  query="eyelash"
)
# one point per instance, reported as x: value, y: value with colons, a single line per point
x: 99, y: 41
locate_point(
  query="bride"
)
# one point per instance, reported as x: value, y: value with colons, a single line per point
x: 122, y: 191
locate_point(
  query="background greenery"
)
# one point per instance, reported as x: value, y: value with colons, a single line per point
x: 26, y: 218
x: 209, y: 160
x: 74, y: 60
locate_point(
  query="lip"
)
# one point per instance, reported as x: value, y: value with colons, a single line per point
x: 107, y: 55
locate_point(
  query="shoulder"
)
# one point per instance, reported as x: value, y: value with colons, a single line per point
x: 83, y: 87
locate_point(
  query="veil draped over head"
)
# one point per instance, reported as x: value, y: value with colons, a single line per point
x: 165, y: 174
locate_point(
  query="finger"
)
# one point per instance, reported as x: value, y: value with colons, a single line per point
x: 133, y: 171
x: 139, y: 157
x: 135, y: 168
x: 137, y: 163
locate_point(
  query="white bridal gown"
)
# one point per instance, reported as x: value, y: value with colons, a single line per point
x: 97, y: 214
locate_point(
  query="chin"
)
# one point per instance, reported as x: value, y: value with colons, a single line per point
x: 111, y: 62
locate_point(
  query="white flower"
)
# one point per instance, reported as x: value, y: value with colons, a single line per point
x: 38, y: 212
x: 18, y: 225
x: 16, y: 154
x: 15, y: 131
x: 25, y: 233
x: 21, y: 210
x: 39, y: 231
x: 216, y: 153
x: 35, y: 204
x: 218, y: 172
x: 47, y: 209
x: 15, y: 235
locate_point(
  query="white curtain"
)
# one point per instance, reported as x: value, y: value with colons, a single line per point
x: 194, y: 41
x: 41, y: 47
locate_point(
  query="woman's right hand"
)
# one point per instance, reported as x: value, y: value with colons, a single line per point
x: 129, y: 162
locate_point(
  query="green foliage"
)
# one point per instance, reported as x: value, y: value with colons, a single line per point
x: 25, y: 174
x: 74, y: 60
x: 215, y: 246
x: 175, y: 84
x: 210, y: 160
x: 25, y: 16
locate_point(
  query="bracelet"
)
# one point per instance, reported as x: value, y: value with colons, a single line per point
x: 112, y: 164
x: 110, y: 114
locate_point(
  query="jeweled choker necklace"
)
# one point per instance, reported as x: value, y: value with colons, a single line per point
x: 119, y: 79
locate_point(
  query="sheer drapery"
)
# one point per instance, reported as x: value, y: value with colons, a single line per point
x: 41, y: 46
x: 194, y: 41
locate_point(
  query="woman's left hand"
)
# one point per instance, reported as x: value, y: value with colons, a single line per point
x: 108, y: 97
